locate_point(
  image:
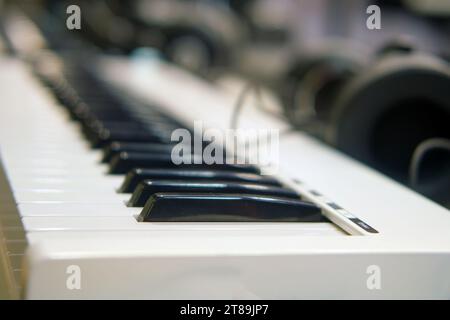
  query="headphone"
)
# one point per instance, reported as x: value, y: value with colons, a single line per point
x: 379, y: 112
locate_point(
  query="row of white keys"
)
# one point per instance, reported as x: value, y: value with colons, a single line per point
x: 47, y: 160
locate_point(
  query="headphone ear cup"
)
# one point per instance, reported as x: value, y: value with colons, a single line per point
x: 311, y: 83
x: 382, y: 115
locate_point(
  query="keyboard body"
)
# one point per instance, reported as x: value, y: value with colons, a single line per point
x: 62, y: 217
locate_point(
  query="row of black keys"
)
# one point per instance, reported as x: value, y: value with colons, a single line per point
x: 136, y: 141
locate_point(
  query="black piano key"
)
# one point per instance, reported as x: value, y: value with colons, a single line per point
x: 135, y: 176
x: 182, y: 207
x: 127, y: 124
x: 108, y: 136
x: 148, y: 188
x: 87, y: 115
x: 98, y: 127
x: 126, y: 161
x: 117, y: 147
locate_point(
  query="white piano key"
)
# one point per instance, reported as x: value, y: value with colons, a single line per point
x: 22, y: 156
x: 129, y: 223
x: 23, y: 160
x: 57, y: 173
x: 69, y: 169
x: 88, y: 196
x: 76, y: 210
x: 110, y: 182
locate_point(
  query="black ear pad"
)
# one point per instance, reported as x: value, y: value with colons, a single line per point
x: 382, y: 114
x: 310, y: 85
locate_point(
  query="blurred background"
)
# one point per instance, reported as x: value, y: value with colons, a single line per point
x: 381, y: 96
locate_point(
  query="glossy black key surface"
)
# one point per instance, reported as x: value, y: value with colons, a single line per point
x: 148, y: 188
x: 126, y: 161
x: 117, y: 147
x: 171, y: 207
x: 96, y: 132
x: 108, y: 136
x: 95, y: 127
x: 135, y: 176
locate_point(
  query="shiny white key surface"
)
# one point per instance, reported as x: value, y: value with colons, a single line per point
x: 62, y: 209
x: 58, y: 196
x: 128, y: 223
x: 67, y: 183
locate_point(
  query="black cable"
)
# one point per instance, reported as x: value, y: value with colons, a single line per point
x: 238, y: 107
x: 419, y: 153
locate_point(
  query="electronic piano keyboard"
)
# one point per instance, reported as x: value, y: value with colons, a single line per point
x: 92, y: 207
